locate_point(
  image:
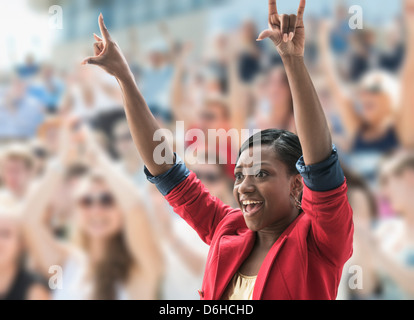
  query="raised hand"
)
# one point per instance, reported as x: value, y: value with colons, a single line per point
x: 286, y: 31
x: 107, y: 54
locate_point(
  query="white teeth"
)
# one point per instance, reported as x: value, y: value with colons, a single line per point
x: 245, y: 203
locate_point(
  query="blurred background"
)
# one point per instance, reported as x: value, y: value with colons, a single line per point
x: 73, y: 194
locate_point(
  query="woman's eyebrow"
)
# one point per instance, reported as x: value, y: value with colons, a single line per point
x: 255, y: 165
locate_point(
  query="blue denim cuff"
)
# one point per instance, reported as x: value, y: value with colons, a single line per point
x: 169, y: 180
x: 324, y: 176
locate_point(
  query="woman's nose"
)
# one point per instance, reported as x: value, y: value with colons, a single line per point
x: 247, y: 186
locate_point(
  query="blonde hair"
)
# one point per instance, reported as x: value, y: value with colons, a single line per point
x: 386, y: 82
x: 18, y: 151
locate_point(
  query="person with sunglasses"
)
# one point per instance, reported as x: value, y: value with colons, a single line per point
x: 274, y: 246
x: 113, y: 254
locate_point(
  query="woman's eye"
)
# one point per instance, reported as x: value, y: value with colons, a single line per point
x: 261, y: 174
x: 238, y: 176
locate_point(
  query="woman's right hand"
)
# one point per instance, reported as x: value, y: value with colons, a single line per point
x: 286, y: 31
x: 107, y: 54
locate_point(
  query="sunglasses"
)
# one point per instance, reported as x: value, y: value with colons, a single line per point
x: 374, y: 89
x: 104, y: 200
x: 40, y: 153
x: 208, y: 177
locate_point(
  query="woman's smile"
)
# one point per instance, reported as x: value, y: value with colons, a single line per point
x: 251, y: 207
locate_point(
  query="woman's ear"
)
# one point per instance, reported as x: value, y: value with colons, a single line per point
x: 297, y: 185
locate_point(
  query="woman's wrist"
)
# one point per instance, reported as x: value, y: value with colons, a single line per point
x: 292, y: 60
x: 125, y: 76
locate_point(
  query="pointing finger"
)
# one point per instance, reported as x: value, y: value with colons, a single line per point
x: 104, y: 31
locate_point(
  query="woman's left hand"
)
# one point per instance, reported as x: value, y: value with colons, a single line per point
x: 286, y: 31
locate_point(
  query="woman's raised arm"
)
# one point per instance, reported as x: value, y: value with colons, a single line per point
x: 288, y: 34
x: 142, y: 123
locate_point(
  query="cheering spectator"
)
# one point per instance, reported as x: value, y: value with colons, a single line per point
x: 16, y: 282
x: 16, y: 169
x: 20, y: 114
x: 115, y: 255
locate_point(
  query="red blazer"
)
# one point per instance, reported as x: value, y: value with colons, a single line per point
x: 306, y: 262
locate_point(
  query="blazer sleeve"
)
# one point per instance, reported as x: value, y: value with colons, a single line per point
x: 191, y: 200
x: 325, y: 201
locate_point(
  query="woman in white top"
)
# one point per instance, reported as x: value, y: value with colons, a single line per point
x: 114, y: 254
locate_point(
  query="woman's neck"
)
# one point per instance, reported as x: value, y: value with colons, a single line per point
x: 267, y: 237
x: 377, y: 130
x: 97, y: 249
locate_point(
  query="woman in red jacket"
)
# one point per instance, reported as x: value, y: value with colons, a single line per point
x: 276, y: 246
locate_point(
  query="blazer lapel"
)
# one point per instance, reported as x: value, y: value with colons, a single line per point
x: 233, y: 251
x: 266, y: 267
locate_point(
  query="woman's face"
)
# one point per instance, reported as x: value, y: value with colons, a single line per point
x: 10, y: 241
x: 264, y: 190
x: 375, y: 106
x: 398, y: 189
x: 99, y: 215
x: 15, y: 174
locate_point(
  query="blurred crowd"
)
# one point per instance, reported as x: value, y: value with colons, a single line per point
x: 78, y: 220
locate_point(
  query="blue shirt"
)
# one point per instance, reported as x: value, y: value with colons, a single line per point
x: 22, y: 120
x: 49, y: 94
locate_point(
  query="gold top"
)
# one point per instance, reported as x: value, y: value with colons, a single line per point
x: 241, y: 287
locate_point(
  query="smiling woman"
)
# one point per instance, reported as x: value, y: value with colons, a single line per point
x: 280, y: 150
x: 275, y: 246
